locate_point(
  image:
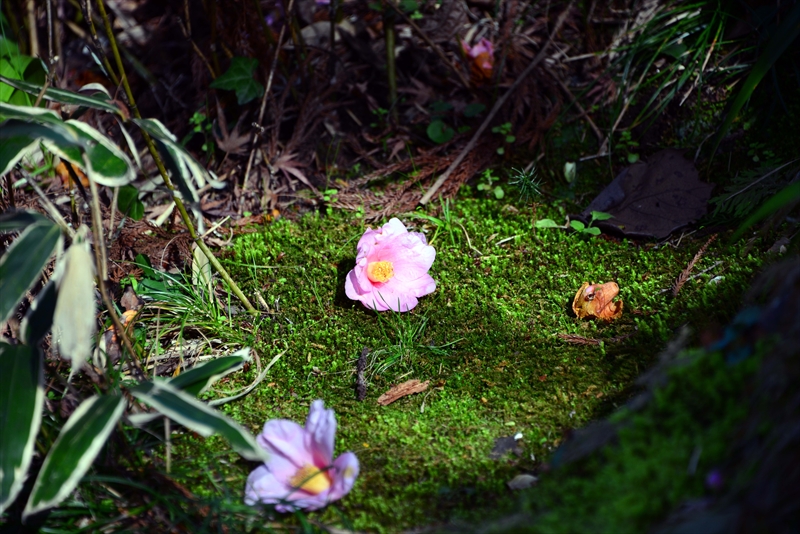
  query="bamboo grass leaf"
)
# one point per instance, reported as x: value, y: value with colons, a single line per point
x: 186, y: 410
x: 21, y: 402
x: 74, y: 451
x: 23, y: 262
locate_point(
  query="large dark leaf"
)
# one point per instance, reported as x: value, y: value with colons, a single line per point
x: 653, y: 199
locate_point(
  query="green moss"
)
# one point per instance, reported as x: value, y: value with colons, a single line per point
x: 487, y: 339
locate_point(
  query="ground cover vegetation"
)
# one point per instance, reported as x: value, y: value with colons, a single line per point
x: 187, y: 187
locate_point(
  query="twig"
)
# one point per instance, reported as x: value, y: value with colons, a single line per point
x: 100, y: 259
x: 163, y: 171
x: 472, y: 142
x: 580, y: 340
x: 434, y: 46
x: 263, y: 107
x: 597, y: 132
x: 684, y: 276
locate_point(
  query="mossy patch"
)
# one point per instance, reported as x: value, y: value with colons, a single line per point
x: 487, y: 339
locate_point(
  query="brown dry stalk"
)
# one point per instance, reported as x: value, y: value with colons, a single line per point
x: 580, y: 340
x: 684, y: 276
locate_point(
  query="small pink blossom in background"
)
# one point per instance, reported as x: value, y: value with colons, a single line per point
x: 482, y: 53
x: 300, y: 473
x: 391, y: 269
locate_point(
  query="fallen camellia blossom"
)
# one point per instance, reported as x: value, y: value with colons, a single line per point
x: 391, y: 269
x: 300, y: 473
x: 482, y: 54
x: 595, y: 300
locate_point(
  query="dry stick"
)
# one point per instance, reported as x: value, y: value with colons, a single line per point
x: 99, y: 254
x: 434, y: 47
x: 597, y: 132
x: 684, y: 276
x: 161, y: 169
x: 263, y: 107
x: 472, y: 142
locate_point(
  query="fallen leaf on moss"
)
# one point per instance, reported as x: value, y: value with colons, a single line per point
x: 596, y: 301
x: 399, y: 391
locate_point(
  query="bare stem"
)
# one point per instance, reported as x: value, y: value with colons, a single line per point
x: 163, y: 171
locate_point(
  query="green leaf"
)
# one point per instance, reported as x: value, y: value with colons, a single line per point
x: 19, y: 139
x: 186, y: 410
x: 74, y: 451
x: 21, y: 403
x: 781, y: 39
x: 577, y: 226
x: 239, y: 78
x: 439, y: 132
x: 785, y: 196
x: 601, y: 216
x: 129, y: 204
x: 23, y: 262
x: 108, y: 165
x: 570, y: 171
x: 591, y: 230
x: 63, y: 96
x: 546, y: 223
x: 196, y: 380
x: 15, y: 220
x: 474, y: 109
x: 39, y: 319
x: 498, y: 192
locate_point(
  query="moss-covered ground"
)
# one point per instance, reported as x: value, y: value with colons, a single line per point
x: 487, y: 339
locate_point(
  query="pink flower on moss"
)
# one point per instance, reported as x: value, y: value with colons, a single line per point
x: 300, y: 473
x: 391, y: 269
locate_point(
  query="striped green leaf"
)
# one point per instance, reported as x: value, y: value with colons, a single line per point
x: 196, y: 380
x: 74, y: 451
x: 23, y: 262
x: 186, y: 410
x: 21, y: 400
x: 64, y: 97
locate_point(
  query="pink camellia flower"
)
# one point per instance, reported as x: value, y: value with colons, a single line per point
x: 300, y: 473
x: 482, y: 53
x: 391, y: 269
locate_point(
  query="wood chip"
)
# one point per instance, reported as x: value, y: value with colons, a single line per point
x: 399, y: 391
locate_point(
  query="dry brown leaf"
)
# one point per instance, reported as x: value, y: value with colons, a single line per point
x: 595, y: 300
x: 399, y: 391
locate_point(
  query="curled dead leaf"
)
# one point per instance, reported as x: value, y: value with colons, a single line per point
x: 399, y: 391
x: 596, y: 301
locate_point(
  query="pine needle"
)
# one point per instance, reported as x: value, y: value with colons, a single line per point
x: 684, y: 276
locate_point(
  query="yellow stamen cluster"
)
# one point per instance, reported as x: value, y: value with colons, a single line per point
x: 311, y: 480
x: 380, y: 271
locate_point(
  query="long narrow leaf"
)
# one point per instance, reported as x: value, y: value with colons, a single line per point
x: 197, y: 380
x: 186, y: 410
x: 65, y: 97
x: 19, y: 138
x: 23, y: 262
x: 74, y: 451
x: 789, y: 194
x: 16, y: 220
x: 108, y: 164
x: 786, y: 34
x: 21, y: 401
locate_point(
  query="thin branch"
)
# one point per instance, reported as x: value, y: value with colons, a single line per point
x: 434, y: 46
x: 472, y: 142
x: 163, y: 171
x: 263, y: 107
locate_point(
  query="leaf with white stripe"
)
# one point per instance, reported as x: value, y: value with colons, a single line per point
x: 74, y: 451
x: 23, y: 262
x: 21, y: 401
x: 195, y: 415
x: 65, y: 97
x: 196, y: 380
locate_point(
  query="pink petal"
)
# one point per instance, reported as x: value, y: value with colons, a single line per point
x: 321, y: 426
x: 286, y: 439
x: 344, y: 473
x: 263, y: 487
